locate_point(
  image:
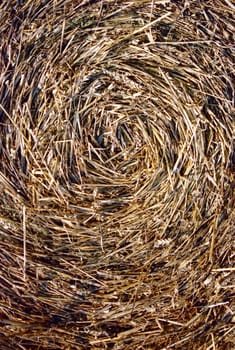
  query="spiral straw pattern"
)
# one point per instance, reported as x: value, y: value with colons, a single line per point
x: 117, y: 174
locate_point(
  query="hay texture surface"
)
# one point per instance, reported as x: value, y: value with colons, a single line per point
x: 117, y: 175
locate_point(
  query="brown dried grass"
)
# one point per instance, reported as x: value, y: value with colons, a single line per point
x: 117, y: 174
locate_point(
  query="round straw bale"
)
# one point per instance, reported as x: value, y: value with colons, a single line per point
x: 117, y: 164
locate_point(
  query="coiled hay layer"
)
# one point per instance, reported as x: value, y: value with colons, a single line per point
x: 117, y: 174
